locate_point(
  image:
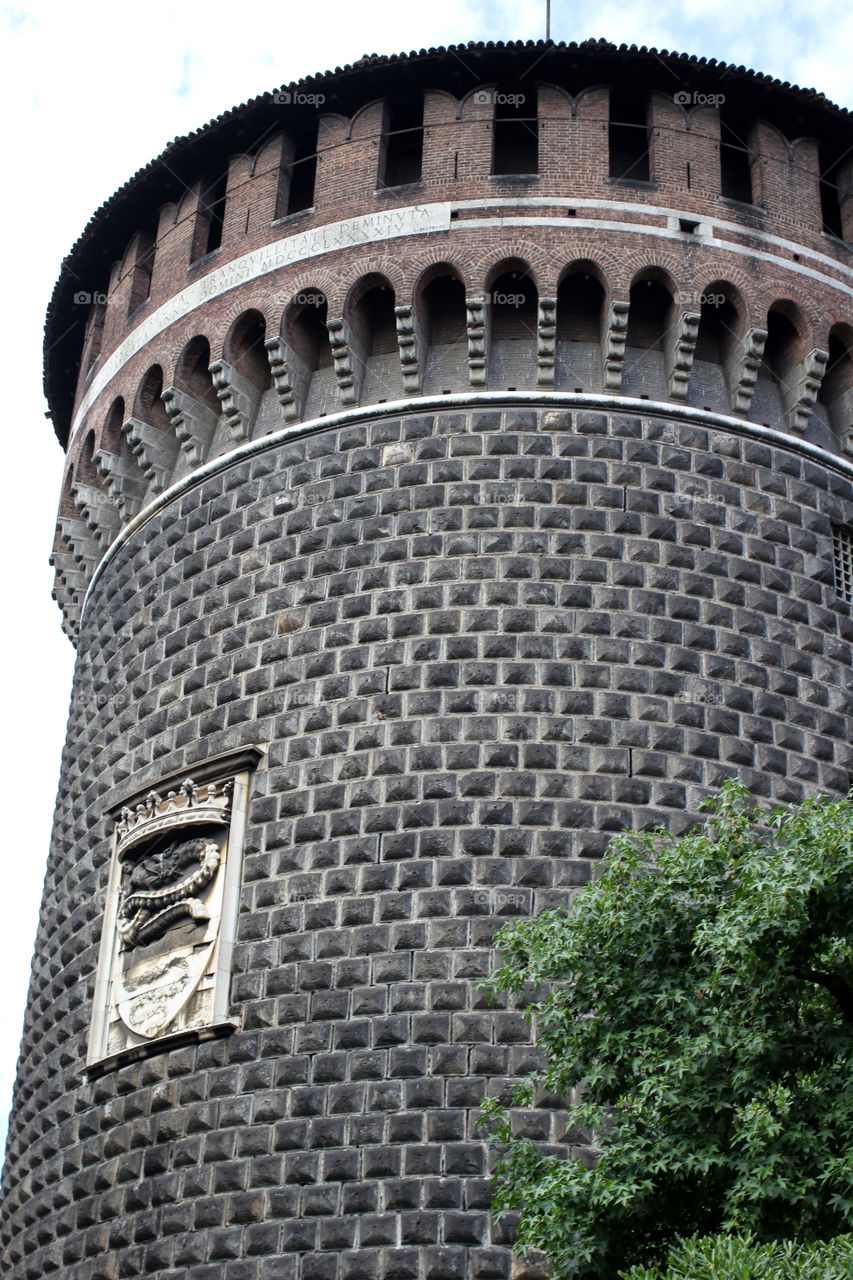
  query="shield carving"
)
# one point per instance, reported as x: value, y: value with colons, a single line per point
x: 166, y: 929
x: 151, y: 993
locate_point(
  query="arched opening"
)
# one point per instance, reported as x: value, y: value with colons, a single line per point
x: 441, y: 312
x: 149, y: 405
x: 111, y: 436
x: 580, y: 319
x: 782, y: 352
x: 193, y: 373
x: 720, y: 327
x: 86, y: 470
x: 245, y: 350
x: 305, y: 332
x: 835, y: 397
x: 514, y: 307
x: 150, y: 433
x: 651, y: 315
x: 374, y: 329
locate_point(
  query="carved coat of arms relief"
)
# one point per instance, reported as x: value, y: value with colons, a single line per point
x: 170, y: 915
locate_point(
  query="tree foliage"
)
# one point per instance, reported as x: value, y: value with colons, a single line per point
x: 725, y: 1257
x: 701, y: 993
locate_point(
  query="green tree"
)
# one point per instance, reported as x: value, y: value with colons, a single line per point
x: 695, y: 1006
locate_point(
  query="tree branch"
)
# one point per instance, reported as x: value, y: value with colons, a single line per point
x: 837, y: 988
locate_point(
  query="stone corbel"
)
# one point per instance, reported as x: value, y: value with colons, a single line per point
x: 800, y: 388
x: 477, y: 324
x: 744, y: 367
x: 122, y: 481
x: 239, y: 398
x: 291, y: 378
x: 81, y: 542
x: 409, y: 346
x: 156, y: 452
x: 349, y: 370
x: 681, y: 345
x: 546, y: 342
x: 70, y: 575
x: 98, y: 511
x: 193, y: 421
x: 613, y: 347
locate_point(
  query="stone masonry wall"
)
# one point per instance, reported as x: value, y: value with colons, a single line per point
x: 476, y: 643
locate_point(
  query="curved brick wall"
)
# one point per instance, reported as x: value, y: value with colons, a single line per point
x: 477, y: 641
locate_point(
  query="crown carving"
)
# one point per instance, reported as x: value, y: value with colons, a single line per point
x: 189, y: 805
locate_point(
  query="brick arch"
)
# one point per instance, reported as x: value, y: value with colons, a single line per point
x: 191, y: 370
x: 795, y: 309
x: 244, y: 348
x: 298, y: 300
x: 353, y: 121
x: 465, y: 102
x: 654, y: 269
x: 146, y: 401
x: 420, y: 263
x: 590, y: 266
x: 231, y: 317
x: 311, y: 280
x: 362, y: 286
x: 743, y: 291
x: 532, y: 255
x: 109, y: 435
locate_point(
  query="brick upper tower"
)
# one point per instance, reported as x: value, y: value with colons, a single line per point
x: 460, y: 469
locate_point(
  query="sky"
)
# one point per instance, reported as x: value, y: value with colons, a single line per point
x: 92, y: 90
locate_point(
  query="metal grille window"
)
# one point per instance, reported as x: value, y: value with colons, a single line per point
x: 842, y: 555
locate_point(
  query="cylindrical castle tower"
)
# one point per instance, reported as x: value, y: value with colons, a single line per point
x: 459, y: 471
